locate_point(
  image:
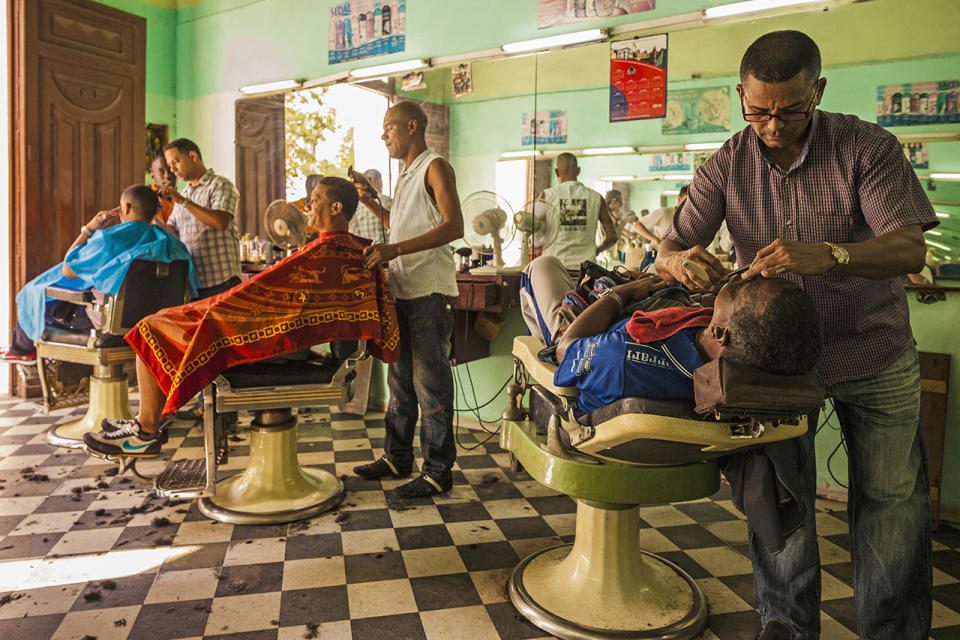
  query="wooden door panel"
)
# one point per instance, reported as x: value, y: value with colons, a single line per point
x: 87, y: 28
x: 261, y: 159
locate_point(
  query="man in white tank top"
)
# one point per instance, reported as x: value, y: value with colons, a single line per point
x: 424, y: 219
x: 575, y: 209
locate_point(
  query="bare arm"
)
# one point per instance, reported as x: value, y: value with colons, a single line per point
x: 442, y: 181
x: 646, y: 233
x: 892, y: 254
x: 609, y: 229
x: 213, y: 218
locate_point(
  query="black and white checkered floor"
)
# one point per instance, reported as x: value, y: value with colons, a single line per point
x: 86, y: 554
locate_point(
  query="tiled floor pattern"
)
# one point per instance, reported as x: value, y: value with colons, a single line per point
x: 86, y: 554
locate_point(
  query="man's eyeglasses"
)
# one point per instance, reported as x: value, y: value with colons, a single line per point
x: 785, y: 116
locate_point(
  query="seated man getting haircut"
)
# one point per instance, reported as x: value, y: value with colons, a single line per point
x: 320, y: 294
x: 769, y: 324
x: 98, y: 258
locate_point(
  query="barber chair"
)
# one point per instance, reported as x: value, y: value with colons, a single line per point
x: 613, y: 460
x: 274, y: 488
x: 148, y: 287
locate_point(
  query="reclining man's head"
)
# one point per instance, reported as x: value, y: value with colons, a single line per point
x: 332, y: 204
x: 767, y: 323
x: 139, y: 202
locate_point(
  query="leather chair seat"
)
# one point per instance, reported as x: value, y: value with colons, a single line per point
x: 262, y: 374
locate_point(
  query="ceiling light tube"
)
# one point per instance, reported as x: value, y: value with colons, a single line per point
x: 934, y: 233
x: 388, y: 69
x: 940, y: 214
x: 939, y: 246
x: 671, y: 192
x: 618, y: 178
x: 607, y: 151
x: 702, y: 146
x: 679, y: 177
x: 750, y: 6
x: 945, y: 176
x: 928, y: 137
x: 527, y: 153
x: 270, y: 87
x: 562, y: 40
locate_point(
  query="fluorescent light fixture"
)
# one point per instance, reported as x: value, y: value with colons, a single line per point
x: 940, y: 214
x: 528, y: 153
x: 562, y: 40
x: 672, y: 192
x: 939, y: 246
x: 751, y: 6
x: 934, y: 233
x: 270, y: 87
x: 945, y: 176
x: 678, y: 177
x: 617, y: 178
x: 389, y: 69
x: 702, y: 146
x: 607, y: 151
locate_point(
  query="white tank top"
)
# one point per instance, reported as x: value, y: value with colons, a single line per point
x: 571, y: 225
x: 414, y: 213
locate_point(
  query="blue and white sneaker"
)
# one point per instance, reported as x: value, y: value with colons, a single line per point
x: 124, y: 438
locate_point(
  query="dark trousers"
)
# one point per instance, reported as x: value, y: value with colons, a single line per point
x: 61, y: 315
x: 207, y: 292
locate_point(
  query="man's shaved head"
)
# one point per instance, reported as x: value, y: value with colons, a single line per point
x: 566, y: 166
x: 411, y: 111
x: 143, y: 201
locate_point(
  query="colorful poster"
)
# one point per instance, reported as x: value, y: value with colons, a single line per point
x: 412, y: 80
x: 705, y: 110
x: 362, y: 28
x: 679, y: 161
x: 916, y: 154
x: 551, y: 13
x: 638, y: 78
x: 462, y: 79
x: 918, y: 103
x: 544, y: 127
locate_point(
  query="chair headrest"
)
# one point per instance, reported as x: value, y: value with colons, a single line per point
x: 731, y: 390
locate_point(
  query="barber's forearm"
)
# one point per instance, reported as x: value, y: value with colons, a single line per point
x: 646, y: 233
x: 609, y: 239
x: 214, y: 218
x: 444, y: 233
x: 888, y: 256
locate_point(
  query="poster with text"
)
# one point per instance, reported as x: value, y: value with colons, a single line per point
x: 462, y: 79
x: 544, y: 127
x: 704, y: 110
x: 918, y: 103
x: 412, y: 80
x: 362, y: 28
x: 638, y: 78
x: 916, y: 154
x: 678, y: 161
x: 551, y: 13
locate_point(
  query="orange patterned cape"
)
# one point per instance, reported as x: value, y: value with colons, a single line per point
x: 320, y: 294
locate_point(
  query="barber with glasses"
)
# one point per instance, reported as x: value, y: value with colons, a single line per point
x: 829, y: 202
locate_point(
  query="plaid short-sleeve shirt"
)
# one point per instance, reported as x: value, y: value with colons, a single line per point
x: 851, y: 183
x: 366, y: 224
x: 215, y: 253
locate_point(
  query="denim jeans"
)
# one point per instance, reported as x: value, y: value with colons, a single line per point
x: 888, y: 509
x: 422, y: 378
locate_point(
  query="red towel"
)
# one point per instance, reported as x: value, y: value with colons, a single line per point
x: 661, y: 324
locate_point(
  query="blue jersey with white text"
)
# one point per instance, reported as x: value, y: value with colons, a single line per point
x: 611, y: 365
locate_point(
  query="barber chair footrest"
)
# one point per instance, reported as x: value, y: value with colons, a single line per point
x: 182, y: 479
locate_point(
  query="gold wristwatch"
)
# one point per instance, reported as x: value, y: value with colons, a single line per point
x: 841, y: 255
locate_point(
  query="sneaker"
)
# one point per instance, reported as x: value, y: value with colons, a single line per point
x: 421, y: 487
x: 125, y: 440
x: 380, y: 469
x: 9, y: 356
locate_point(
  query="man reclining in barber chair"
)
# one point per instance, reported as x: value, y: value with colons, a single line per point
x: 98, y: 258
x: 320, y: 294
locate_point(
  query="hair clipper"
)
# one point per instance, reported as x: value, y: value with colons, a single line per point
x: 361, y: 179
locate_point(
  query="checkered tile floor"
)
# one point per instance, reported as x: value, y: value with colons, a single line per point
x: 86, y: 554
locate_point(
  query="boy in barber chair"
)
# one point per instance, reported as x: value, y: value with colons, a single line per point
x: 99, y: 258
x: 769, y: 324
x: 320, y: 294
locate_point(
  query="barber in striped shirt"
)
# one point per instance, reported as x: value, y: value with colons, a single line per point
x: 829, y: 202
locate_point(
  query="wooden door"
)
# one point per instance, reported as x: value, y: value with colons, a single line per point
x: 261, y: 159
x: 78, y: 109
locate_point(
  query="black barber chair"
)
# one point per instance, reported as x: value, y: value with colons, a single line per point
x: 148, y: 287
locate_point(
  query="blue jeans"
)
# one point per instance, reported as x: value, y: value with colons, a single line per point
x: 888, y: 509
x: 422, y: 378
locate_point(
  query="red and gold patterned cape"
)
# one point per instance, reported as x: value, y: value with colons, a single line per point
x: 320, y: 294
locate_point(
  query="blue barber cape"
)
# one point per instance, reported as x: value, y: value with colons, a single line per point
x: 611, y: 365
x: 102, y: 263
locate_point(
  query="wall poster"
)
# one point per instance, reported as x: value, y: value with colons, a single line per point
x: 462, y: 79
x: 551, y: 13
x: 638, y: 78
x: 918, y: 103
x: 412, y: 80
x: 544, y: 127
x: 678, y: 161
x: 362, y: 28
x: 916, y: 154
x: 704, y: 110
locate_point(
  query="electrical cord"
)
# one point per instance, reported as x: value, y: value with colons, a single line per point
x: 842, y: 443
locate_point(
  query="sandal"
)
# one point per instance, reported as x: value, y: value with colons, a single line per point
x: 196, y: 413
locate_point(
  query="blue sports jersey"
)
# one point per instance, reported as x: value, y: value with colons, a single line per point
x: 612, y: 365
